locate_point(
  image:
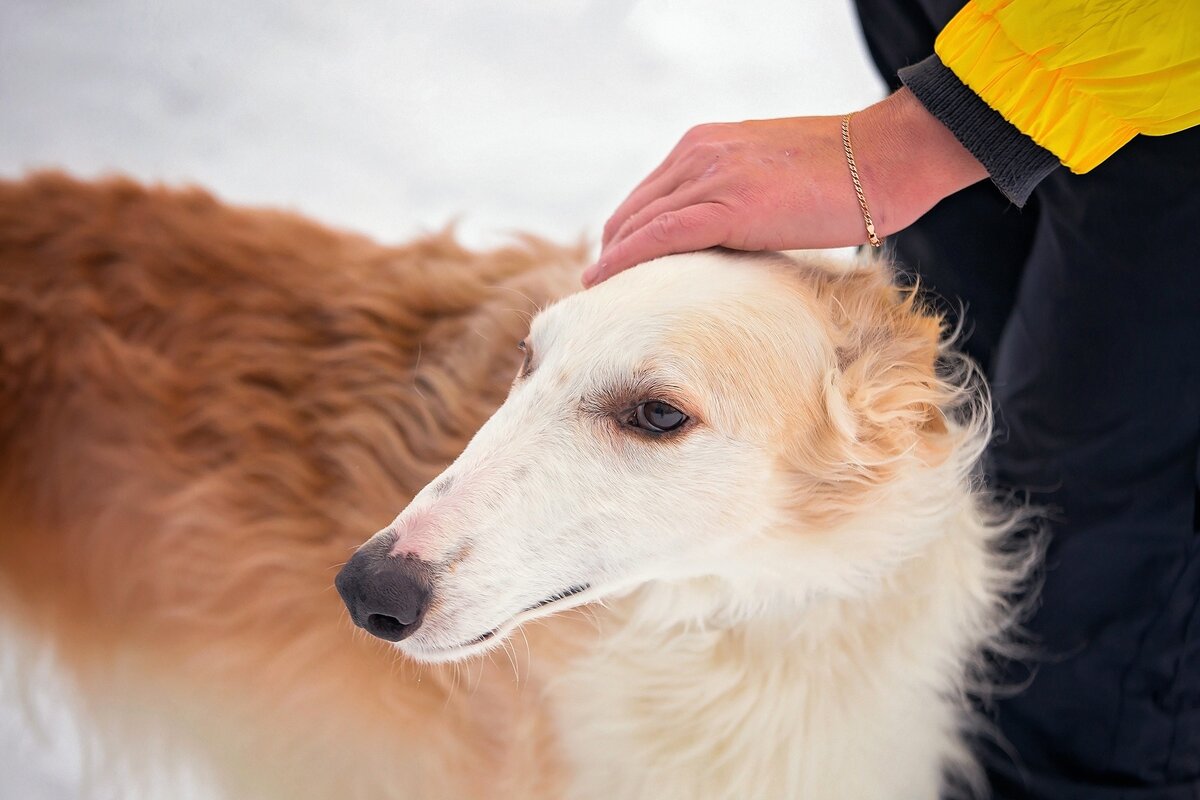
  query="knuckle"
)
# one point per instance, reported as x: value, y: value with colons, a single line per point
x: 705, y: 159
x: 708, y: 142
x: 662, y: 228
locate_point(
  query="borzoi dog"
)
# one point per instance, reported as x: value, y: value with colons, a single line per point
x: 754, y: 460
x: 724, y: 539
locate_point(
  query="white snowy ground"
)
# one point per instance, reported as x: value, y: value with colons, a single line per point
x: 393, y: 117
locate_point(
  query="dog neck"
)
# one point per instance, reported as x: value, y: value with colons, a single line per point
x: 760, y: 692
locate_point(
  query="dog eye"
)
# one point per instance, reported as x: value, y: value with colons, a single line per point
x: 528, y: 363
x: 655, y: 416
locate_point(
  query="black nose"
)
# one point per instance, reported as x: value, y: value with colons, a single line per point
x: 387, y: 595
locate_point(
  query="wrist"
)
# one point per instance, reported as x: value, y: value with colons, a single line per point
x: 908, y: 160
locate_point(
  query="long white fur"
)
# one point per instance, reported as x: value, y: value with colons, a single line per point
x: 744, y: 657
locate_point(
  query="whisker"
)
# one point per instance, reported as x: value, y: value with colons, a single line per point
x: 416, y: 372
x: 528, y: 652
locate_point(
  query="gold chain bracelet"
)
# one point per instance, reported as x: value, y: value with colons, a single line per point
x: 862, y: 198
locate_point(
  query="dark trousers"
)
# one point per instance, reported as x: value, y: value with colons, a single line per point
x: 1084, y: 308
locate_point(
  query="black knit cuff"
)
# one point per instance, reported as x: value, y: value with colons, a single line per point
x: 1016, y: 163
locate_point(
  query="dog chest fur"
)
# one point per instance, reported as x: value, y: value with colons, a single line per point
x: 866, y: 698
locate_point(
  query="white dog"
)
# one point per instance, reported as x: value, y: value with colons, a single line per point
x: 758, y: 466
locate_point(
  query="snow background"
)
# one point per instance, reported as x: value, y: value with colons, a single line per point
x: 391, y: 118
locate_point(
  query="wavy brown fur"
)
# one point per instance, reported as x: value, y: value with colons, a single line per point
x: 203, y: 410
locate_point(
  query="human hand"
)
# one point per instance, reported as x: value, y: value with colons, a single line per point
x: 784, y: 184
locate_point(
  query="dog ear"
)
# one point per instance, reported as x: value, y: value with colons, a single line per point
x: 884, y: 401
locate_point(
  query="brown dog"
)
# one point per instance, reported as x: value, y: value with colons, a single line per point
x: 203, y: 411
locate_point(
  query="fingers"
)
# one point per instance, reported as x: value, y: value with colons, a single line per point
x: 686, y: 194
x: 695, y: 227
x: 658, y: 184
x: 691, y: 157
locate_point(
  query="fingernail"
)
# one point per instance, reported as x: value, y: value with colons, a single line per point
x: 590, y: 274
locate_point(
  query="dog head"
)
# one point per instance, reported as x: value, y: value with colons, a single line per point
x: 750, y: 422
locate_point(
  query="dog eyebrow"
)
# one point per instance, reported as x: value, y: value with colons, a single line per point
x: 626, y: 392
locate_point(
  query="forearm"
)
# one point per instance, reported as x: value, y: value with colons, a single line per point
x: 908, y: 160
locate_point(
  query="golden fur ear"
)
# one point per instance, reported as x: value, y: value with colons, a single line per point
x: 883, y: 398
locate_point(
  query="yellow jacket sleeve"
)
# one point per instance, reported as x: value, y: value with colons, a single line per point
x: 1081, y: 77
